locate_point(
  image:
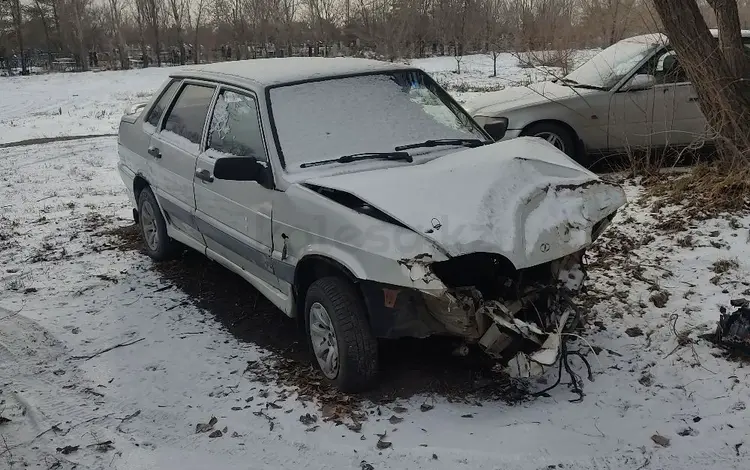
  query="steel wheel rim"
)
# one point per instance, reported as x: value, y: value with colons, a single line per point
x: 553, y: 139
x: 148, y: 225
x: 324, y: 341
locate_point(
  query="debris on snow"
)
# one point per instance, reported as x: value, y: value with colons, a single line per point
x: 395, y: 419
x: 216, y: 433
x: 659, y: 298
x: 634, y: 331
x: 67, y: 449
x: 308, y: 419
x: 733, y: 330
x: 205, y: 427
x: 103, y: 446
x: 425, y: 407
x: 660, y: 440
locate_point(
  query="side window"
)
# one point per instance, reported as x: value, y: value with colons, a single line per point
x: 669, y: 70
x: 161, y: 104
x: 235, y: 126
x: 188, y: 114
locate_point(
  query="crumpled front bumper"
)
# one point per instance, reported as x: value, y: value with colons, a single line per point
x: 527, y: 345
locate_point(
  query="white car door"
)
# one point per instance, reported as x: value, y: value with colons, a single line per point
x: 234, y: 216
x: 174, y: 151
x: 688, y: 123
x: 638, y: 118
x: 666, y: 113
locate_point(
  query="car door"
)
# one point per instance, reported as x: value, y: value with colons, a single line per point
x: 174, y: 149
x: 235, y: 216
x: 639, y: 116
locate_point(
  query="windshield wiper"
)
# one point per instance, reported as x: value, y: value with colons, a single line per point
x: 575, y: 84
x: 442, y: 142
x: 404, y: 156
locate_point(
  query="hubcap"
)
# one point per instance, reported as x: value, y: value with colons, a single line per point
x: 553, y: 139
x: 323, y: 338
x: 148, y: 225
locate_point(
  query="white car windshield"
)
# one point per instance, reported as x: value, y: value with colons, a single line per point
x: 328, y: 119
x: 609, y: 66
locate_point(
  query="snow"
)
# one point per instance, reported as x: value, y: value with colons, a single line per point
x: 275, y: 71
x: 57, y: 198
x: 64, y: 104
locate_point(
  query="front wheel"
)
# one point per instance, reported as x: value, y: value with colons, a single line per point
x: 559, y: 136
x: 339, y: 333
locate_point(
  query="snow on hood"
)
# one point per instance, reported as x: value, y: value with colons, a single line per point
x: 522, y: 199
x: 489, y: 104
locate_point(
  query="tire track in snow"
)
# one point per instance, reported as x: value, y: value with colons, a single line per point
x: 47, y: 140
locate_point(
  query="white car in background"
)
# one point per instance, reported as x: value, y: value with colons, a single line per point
x: 631, y: 95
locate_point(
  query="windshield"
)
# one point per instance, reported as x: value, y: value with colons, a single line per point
x: 368, y: 113
x: 609, y: 66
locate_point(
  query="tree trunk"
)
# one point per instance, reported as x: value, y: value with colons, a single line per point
x: 730, y: 37
x: 18, y: 24
x: 78, y: 11
x: 722, y: 96
x: 45, y: 26
x: 494, y: 64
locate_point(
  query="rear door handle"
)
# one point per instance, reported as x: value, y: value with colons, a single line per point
x: 154, y: 152
x: 204, y: 175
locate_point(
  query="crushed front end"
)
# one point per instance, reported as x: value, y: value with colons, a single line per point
x: 516, y: 316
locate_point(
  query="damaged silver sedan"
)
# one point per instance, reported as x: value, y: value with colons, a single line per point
x: 360, y: 198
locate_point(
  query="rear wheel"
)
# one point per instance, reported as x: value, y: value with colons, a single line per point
x: 339, y: 333
x: 154, y: 228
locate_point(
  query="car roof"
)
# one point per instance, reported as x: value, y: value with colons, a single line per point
x: 658, y: 38
x: 278, y: 71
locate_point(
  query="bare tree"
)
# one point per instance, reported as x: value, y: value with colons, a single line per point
x: 116, y: 18
x: 198, y: 14
x: 150, y: 12
x: 715, y: 72
x: 497, y: 29
x: 178, y: 9
x: 17, y: 15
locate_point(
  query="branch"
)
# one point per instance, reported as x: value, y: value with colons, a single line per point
x: 86, y: 358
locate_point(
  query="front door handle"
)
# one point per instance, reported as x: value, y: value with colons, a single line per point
x: 204, y: 175
x: 154, y: 152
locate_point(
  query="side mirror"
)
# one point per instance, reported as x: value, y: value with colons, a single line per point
x: 239, y: 169
x: 641, y: 81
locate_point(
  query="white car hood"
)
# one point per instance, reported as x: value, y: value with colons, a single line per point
x: 522, y: 199
x: 490, y: 104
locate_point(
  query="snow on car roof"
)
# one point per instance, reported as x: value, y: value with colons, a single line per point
x: 658, y: 38
x: 285, y: 70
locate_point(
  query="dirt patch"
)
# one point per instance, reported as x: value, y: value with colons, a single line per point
x: 408, y: 366
x: 706, y: 191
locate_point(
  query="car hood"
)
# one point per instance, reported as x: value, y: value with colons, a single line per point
x: 523, y: 199
x: 490, y: 104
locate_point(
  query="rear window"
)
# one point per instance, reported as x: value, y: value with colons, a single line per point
x: 161, y: 104
x: 187, y: 116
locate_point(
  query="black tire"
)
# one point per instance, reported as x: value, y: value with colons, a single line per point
x: 567, y: 139
x: 164, y: 247
x: 356, y: 345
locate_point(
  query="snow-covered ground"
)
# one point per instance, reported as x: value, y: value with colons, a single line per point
x: 88, y: 103
x: 67, y: 294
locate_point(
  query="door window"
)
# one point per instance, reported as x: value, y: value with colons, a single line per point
x: 161, y: 104
x: 235, y: 127
x: 188, y: 114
